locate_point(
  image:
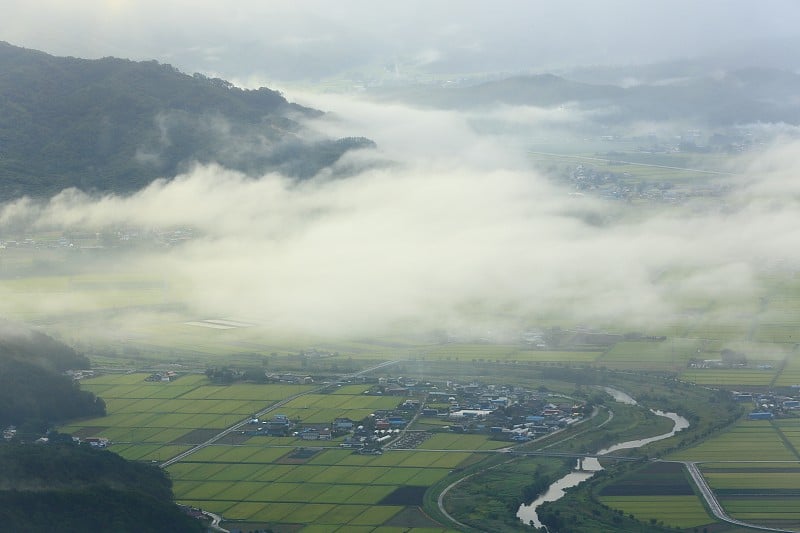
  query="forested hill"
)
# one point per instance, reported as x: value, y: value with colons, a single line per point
x: 34, y: 392
x: 115, y: 125
x: 67, y: 487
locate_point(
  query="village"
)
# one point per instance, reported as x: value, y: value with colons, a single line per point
x: 505, y: 413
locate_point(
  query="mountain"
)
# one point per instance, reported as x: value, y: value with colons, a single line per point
x: 721, y: 98
x: 114, y: 125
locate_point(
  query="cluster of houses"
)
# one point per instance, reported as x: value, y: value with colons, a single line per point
x: 768, y: 405
x: 164, y: 377
x: 294, y: 379
x: 79, y: 374
x: 10, y: 433
x: 508, y: 413
x: 517, y: 415
x: 505, y: 412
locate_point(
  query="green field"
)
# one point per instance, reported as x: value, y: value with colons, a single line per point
x: 676, y: 511
x: 748, y: 439
x: 761, y: 492
x: 256, y: 480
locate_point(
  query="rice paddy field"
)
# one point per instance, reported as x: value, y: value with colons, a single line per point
x: 660, y: 492
x: 764, y: 492
x: 754, y: 470
x: 677, y: 511
x: 156, y: 421
x: 744, y: 441
x: 263, y: 480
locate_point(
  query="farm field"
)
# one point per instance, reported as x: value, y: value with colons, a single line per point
x: 667, y: 354
x: 660, y: 492
x: 726, y: 377
x: 761, y: 492
x: 455, y: 441
x: 333, y: 488
x: 677, y: 511
x: 747, y: 439
x: 265, y: 479
x: 156, y: 421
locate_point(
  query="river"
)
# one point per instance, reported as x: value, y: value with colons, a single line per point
x: 527, y: 513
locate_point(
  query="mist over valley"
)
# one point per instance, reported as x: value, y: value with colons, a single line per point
x: 304, y: 268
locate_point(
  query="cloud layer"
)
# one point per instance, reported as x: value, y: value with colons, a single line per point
x: 457, y: 233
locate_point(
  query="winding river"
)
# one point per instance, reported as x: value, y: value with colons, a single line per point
x: 527, y: 513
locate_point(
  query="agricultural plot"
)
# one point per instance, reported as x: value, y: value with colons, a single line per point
x: 744, y: 441
x: 790, y: 430
x: 254, y: 480
x: 729, y: 377
x: 165, y: 413
x: 456, y: 441
x: 669, y: 354
x: 496, y: 352
x: 677, y: 511
x: 659, y: 491
x: 790, y: 375
x: 347, y: 489
x: 760, y: 492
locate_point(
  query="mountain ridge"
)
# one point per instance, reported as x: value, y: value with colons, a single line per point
x: 115, y: 125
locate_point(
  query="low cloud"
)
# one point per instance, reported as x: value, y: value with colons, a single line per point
x: 455, y: 232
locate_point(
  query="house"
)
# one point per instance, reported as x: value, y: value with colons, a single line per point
x: 760, y: 415
x: 313, y: 433
x: 278, y: 426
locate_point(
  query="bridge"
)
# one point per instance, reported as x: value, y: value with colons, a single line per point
x: 576, y: 455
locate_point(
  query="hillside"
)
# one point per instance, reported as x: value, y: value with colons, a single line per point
x: 116, y: 125
x: 75, y: 488
x: 34, y: 392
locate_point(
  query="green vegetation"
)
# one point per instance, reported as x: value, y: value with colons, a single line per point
x: 488, y: 501
x: 116, y: 125
x: 34, y: 392
x: 74, y: 488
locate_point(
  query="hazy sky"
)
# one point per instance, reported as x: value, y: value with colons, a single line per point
x: 291, y: 40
